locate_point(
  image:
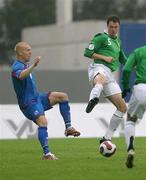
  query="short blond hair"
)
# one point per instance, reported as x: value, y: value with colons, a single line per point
x: 19, y: 46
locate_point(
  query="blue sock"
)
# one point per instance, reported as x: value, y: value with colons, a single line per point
x: 43, y: 138
x: 65, y: 112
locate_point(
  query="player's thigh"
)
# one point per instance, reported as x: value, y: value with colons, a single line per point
x: 97, y: 74
x: 57, y: 97
x: 33, y: 111
x: 136, y: 108
x: 111, y: 88
x: 139, y: 92
x: 44, y: 98
x: 118, y: 101
x: 99, y: 79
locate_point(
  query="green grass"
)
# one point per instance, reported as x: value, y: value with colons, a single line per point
x: 78, y: 160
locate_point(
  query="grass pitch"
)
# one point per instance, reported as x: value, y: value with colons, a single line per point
x: 78, y: 160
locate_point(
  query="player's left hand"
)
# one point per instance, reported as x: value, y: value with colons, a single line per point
x: 125, y: 92
x: 37, y: 60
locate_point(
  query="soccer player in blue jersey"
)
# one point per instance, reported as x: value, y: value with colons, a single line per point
x: 32, y: 103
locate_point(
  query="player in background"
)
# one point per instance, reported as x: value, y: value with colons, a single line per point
x: 137, y: 102
x: 32, y: 103
x: 106, y: 54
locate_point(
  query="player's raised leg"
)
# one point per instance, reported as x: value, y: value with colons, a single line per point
x: 62, y: 99
x: 98, y: 82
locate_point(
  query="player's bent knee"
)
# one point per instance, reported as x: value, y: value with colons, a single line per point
x: 41, y: 121
x: 64, y: 97
x: 125, y: 109
x: 99, y: 79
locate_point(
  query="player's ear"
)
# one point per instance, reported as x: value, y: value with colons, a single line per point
x: 19, y: 53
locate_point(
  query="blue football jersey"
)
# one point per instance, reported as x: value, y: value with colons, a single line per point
x: 25, y: 88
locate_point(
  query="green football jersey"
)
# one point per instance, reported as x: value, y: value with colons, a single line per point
x: 137, y: 61
x: 108, y: 46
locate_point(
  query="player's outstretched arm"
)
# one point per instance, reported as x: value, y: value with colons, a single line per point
x: 27, y: 71
x: 108, y: 59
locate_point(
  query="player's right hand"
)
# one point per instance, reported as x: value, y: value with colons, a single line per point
x: 108, y: 59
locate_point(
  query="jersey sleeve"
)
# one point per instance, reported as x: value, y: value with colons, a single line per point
x: 93, y: 46
x: 17, y: 69
x: 131, y: 62
x: 122, y: 57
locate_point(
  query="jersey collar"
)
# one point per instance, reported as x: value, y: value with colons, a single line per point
x: 105, y: 32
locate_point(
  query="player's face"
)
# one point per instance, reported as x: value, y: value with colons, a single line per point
x: 113, y: 28
x: 26, y: 53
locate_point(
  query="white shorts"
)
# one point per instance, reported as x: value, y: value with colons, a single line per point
x: 111, y: 87
x: 137, y: 102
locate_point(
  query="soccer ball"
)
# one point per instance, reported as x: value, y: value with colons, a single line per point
x: 107, y: 148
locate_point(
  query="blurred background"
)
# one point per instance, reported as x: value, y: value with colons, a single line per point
x: 59, y: 30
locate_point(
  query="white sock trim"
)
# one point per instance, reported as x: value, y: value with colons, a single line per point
x: 127, y: 123
x: 119, y: 113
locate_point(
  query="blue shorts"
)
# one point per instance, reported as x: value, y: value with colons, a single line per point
x: 37, y: 108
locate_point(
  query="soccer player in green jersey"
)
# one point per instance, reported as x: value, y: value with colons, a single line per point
x: 106, y: 52
x: 137, y: 102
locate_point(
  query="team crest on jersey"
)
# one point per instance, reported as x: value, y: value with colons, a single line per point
x: 91, y: 46
x: 36, y: 112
